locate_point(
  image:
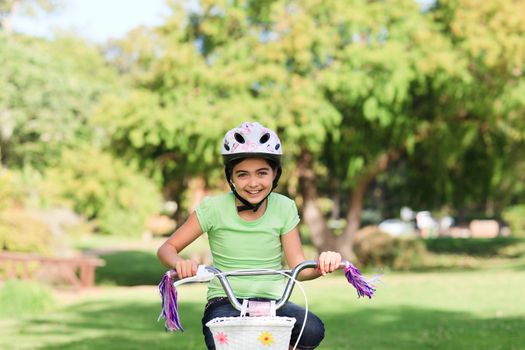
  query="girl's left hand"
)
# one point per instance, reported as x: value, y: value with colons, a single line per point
x: 328, y: 262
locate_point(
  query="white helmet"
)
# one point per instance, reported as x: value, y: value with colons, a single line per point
x: 251, y: 139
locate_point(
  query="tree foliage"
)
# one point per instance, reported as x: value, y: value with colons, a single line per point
x: 356, y: 89
x: 49, y: 90
x: 488, y: 104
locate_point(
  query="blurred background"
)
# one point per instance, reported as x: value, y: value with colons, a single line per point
x: 403, y: 127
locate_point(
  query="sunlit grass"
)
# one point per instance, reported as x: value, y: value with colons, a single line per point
x: 471, y: 308
x: 440, y: 310
x: 24, y: 298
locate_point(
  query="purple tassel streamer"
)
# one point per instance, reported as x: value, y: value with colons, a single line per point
x: 361, y: 284
x: 170, y: 309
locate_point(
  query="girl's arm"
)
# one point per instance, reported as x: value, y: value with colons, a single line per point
x: 168, y: 252
x: 293, y: 251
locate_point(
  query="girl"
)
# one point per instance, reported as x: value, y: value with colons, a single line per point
x: 249, y: 227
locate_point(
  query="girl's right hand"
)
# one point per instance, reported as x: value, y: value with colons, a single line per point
x: 186, y: 268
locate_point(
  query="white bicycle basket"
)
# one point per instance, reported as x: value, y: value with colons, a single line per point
x: 251, y: 333
x: 262, y: 330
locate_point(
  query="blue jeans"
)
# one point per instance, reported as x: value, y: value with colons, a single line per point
x: 313, y: 332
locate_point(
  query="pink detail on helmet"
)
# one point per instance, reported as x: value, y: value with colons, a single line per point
x: 246, y: 129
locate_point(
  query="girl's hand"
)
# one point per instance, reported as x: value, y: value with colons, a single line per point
x: 328, y: 262
x: 186, y: 268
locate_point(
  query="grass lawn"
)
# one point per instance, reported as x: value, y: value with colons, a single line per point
x: 480, y: 309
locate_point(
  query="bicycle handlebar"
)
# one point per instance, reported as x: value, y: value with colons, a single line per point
x: 168, y: 284
x: 207, y: 273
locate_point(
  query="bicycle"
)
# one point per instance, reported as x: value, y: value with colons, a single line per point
x: 262, y: 329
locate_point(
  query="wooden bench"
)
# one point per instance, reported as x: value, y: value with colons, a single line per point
x: 78, y: 272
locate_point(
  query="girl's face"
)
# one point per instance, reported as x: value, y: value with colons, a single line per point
x: 253, y: 178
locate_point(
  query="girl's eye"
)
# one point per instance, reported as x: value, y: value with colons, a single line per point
x: 263, y: 173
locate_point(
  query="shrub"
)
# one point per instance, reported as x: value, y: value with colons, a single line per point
x: 409, y: 253
x: 160, y: 225
x: 515, y: 217
x: 483, y: 247
x: 375, y: 248
x: 10, y: 189
x: 115, y: 196
x: 22, y: 232
x: 24, y: 297
x: 512, y: 251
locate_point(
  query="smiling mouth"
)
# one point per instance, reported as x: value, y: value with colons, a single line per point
x: 254, y: 192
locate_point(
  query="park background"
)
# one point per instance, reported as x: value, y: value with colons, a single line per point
x: 105, y: 147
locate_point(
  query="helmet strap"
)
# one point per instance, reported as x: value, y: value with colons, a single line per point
x: 247, y: 205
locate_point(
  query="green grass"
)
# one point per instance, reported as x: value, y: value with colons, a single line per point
x: 24, y: 298
x: 467, y: 308
x: 129, y: 268
x: 481, y: 309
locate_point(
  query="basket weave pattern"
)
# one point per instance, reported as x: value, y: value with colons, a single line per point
x: 253, y: 333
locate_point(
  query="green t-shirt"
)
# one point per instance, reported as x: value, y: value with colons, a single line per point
x: 239, y: 244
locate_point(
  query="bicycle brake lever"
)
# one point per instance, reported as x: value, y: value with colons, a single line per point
x: 203, y: 275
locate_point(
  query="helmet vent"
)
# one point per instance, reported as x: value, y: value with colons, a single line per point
x: 226, y: 147
x: 277, y: 146
x: 264, y: 138
x: 239, y: 138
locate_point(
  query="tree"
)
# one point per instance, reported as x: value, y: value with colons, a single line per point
x: 49, y: 89
x: 352, y: 87
x: 491, y: 38
x: 292, y: 66
x: 382, y: 66
x: 200, y: 74
x: 470, y: 161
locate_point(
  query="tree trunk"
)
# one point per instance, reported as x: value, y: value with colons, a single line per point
x: 335, y: 186
x: 321, y: 236
x: 356, y: 200
x: 353, y: 217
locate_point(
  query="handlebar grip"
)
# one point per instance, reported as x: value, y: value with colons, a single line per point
x: 204, y: 274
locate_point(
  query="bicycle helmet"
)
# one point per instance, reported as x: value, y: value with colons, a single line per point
x: 251, y: 140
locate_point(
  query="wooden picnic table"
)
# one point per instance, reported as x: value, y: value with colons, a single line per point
x: 78, y: 272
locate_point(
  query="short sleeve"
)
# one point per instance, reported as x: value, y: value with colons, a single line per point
x: 205, y: 214
x: 291, y: 218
